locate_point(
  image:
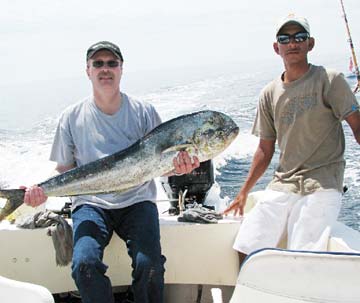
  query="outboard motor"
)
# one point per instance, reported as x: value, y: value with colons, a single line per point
x: 189, y: 188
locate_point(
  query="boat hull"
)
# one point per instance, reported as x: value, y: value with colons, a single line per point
x: 201, y: 254
x: 196, y: 254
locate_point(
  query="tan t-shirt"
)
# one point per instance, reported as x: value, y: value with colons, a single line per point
x: 305, y: 117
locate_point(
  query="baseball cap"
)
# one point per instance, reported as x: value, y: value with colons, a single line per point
x: 293, y: 19
x: 104, y: 45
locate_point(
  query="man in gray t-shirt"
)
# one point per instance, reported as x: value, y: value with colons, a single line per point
x: 100, y: 125
x: 302, y: 110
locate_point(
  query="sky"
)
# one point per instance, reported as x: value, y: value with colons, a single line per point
x: 42, y: 39
x: 43, y: 43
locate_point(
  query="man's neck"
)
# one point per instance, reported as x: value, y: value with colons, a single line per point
x: 108, y: 103
x: 294, y: 72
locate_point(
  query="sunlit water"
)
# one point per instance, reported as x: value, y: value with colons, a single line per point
x: 25, y: 150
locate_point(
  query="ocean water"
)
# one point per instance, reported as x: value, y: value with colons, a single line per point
x: 26, y: 133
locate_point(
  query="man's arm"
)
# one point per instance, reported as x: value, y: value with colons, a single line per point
x: 63, y: 168
x: 34, y: 195
x: 354, y: 121
x: 260, y: 163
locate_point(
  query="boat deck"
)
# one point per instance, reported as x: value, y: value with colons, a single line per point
x: 196, y: 254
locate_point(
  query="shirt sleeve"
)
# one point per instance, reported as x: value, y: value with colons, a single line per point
x: 153, y: 119
x: 340, y: 98
x: 63, y: 148
x: 264, y: 126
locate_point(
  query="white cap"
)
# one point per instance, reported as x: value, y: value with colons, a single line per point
x: 292, y: 18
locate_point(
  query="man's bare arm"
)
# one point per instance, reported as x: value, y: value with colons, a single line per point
x: 354, y: 121
x: 34, y: 195
x: 260, y: 163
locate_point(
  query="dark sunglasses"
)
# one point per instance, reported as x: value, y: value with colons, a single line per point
x: 101, y: 63
x: 298, y: 37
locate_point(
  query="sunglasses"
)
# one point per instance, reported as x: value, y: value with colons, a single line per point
x: 298, y: 37
x: 101, y: 63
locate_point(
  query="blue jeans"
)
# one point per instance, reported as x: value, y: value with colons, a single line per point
x: 138, y: 226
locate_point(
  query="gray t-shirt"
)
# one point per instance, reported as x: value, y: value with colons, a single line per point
x: 305, y: 117
x: 85, y: 134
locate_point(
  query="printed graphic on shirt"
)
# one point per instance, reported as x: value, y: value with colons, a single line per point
x: 296, y: 107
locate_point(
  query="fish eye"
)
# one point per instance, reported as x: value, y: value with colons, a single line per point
x: 220, y: 132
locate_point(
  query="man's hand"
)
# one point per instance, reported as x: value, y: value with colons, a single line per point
x: 34, y: 195
x: 183, y: 164
x: 238, y: 205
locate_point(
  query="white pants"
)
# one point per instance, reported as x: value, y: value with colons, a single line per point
x: 307, y: 220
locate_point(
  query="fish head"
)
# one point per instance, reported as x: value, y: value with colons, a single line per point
x: 215, y: 133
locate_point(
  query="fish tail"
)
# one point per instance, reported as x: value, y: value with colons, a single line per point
x: 14, y: 198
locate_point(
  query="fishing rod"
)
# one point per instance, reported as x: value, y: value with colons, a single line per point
x: 357, y: 73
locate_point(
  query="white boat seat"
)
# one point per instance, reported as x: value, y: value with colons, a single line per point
x: 12, y: 291
x: 284, y: 276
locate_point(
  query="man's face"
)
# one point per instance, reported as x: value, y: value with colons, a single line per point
x: 104, y: 70
x: 293, y: 52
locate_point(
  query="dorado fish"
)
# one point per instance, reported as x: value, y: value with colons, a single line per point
x: 204, y: 134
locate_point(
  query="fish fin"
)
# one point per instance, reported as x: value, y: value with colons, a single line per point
x: 190, y: 148
x: 173, y: 151
x: 177, y: 148
x: 14, y: 198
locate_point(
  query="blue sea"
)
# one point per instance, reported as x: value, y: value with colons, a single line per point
x: 28, y: 119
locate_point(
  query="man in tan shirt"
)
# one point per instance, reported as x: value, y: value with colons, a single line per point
x: 302, y: 110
